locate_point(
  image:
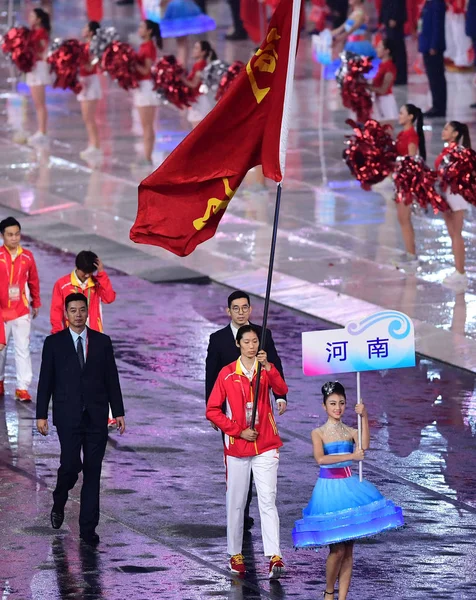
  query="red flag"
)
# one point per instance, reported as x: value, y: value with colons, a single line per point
x: 182, y: 202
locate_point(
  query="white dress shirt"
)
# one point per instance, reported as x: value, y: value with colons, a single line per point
x: 84, y: 339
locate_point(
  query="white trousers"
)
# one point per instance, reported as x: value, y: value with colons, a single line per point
x: 265, y: 475
x: 458, y: 44
x: 19, y: 329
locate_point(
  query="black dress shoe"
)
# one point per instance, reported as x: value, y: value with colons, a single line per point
x: 432, y: 113
x: 57, y: 518
x: 472, y: 105
x: 91, y: 539
x: 249, y: 522
x: 124, y: 2
x: 236, y: 36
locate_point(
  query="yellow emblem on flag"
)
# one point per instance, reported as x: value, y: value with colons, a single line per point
x: 266, y: 62
x: 214, y: 205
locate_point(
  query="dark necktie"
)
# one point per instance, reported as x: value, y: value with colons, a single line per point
x: 80, y: 352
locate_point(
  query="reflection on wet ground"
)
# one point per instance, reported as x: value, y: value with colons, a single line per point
x: 163, y: 516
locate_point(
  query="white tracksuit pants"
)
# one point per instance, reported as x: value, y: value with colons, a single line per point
x: 265, y: 475
x: 19, y: 329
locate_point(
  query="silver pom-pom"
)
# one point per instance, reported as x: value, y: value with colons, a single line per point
x: 55, y: 44
x: 100, y: 41
x: 212, y: 75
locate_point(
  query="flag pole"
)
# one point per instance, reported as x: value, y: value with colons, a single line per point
x: 359, y: 425
x: 267, y: 298
x: 296, y: 8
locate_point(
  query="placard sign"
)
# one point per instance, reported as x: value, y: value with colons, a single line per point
x: 384, y: 340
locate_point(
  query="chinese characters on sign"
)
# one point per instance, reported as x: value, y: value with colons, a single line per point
x: 385, y: 340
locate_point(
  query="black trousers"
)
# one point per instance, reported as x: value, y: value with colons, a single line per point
x: 435, y: 71
x: 202, y: 4
x: 235, y: 15
x: 91, y: 440
x: 339, y: 10
x: 396, y: 36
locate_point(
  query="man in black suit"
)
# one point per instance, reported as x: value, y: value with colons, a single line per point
x: 393, y: 15
x: 79, y: 371
x: 222, y: 350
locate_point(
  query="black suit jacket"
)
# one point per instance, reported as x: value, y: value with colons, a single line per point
x: 393, y: 10
x: 95, y: 387
x: 222, y: 350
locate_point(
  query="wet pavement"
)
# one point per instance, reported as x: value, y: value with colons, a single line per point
x: 162, y: 507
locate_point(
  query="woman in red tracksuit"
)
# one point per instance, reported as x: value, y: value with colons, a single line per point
x: 249, y: 450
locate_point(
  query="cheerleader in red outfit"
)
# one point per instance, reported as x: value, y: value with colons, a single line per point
x: 39, y: 77
x: 89, y: 97
x: 385, y: 107
x: 146, y: 99
x: 410, y: 142
x: 453, y: 133
x: 203, y: 54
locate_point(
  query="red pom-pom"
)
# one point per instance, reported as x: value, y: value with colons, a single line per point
x: 168, y: 82
x: 228, y: 78
x: 354, y: 90
x: 457, y: 172
x: 65, y: 62
x: 119, y: 61
x: 415, y: 182
x: 18, y: 44
x: 370, y: 153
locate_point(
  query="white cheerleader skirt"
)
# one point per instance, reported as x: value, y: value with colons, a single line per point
x: 91, y: 88
x: 145, y: 95
x: 39, y: 75
x: 385, y: 108
x: 199, y: 109
x: 456, y: 202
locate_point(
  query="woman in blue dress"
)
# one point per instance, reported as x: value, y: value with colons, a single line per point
x: 355, y: 31
x: 342, y: 508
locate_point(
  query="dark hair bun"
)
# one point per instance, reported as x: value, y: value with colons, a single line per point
x: 332, y: 387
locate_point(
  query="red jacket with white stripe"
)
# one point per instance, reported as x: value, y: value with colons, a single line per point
x: 97, y: 289
x: 235, y: 388
x: 23, y: 274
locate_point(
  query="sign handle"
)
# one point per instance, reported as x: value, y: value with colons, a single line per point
x: 359, y: 425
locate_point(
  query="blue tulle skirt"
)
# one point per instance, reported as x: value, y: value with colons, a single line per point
x: 181, y: 18
x: 342, y: 510
x: 362, y: 47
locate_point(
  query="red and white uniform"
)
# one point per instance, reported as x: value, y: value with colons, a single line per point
x: 97, y: 289
x: 40, y: 74
x: 19, y: 289
x: 145, y: 95
x: 204, y: 103
x: 456, y: 201
x: 458, y: 44
x: 404, y: 139
x: 89, y: 78
x: 236, y: 386
x: 385, y: 106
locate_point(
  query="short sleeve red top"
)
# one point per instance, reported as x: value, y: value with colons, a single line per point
x: 442, y: 154
x: 37, y: 37
x: 147, y: 50
x: 85, y: 69
x: 197, y: 67
x: 404, y: 139
x: 383, y: 69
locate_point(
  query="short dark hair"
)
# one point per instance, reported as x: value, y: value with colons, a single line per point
x: 76, y: 297
x: 9, y: 222
x: 85, y: 261
x: 236, y: 296
x: 332, y: 387
x: 246, y: 329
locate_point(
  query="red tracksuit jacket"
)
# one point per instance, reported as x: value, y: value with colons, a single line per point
x: 234, y: 387
x: 19, y: 274
x: 99, y: 288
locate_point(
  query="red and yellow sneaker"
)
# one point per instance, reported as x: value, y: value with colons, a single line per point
x: 276, y: 567
x: 2, y: 388
x: 237, y: 564
x: 22, y: 395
